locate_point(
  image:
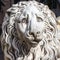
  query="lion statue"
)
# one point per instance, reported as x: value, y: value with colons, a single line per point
x: 29, y: 32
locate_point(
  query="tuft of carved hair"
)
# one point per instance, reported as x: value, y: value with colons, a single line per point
x: 29, y: 32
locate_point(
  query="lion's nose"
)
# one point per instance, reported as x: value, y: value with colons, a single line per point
x: 34, y: 33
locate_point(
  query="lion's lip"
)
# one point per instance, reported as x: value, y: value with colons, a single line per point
x: 34, y: 42
x: 34, y: 39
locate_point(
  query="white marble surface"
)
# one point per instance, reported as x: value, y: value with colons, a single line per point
x: 30, y: 33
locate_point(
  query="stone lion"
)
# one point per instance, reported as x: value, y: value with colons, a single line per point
x: 29, y: 32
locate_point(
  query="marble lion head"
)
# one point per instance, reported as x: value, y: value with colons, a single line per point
x: 29, y: 32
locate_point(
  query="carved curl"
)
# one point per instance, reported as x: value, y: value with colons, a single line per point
x: 30, y: 33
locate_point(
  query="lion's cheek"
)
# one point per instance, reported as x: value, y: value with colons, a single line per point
x: 41, y: 26
x: 22, y: 27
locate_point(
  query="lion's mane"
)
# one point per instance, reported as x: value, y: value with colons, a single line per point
x: 16, y: 48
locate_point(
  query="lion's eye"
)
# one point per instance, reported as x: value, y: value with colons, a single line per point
x: 39, y: 19
x: 24, y: 20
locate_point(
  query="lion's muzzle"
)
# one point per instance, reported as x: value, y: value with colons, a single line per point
x: 36, y: 28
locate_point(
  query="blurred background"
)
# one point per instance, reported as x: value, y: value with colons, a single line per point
x: 54, y: 5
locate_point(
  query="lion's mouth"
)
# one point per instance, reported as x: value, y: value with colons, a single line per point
x: 33, y: 39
